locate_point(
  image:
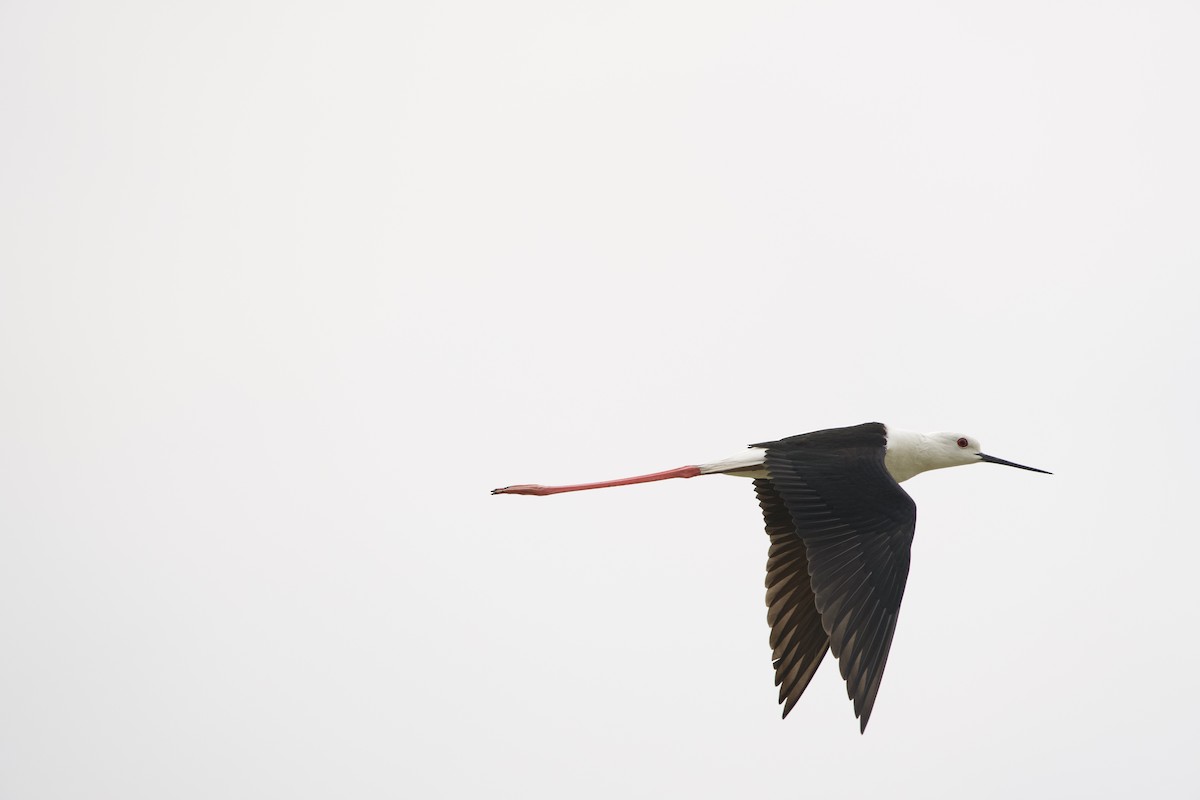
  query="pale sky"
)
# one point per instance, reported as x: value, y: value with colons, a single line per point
x: 287, y: 288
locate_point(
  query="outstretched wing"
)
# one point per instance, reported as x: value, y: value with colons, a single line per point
x: 857, y: 527
x: 798, y: 640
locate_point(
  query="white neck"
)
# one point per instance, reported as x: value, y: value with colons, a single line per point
x: 910, y: 453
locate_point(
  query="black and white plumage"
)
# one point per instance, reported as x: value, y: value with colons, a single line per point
x: 841, y: 530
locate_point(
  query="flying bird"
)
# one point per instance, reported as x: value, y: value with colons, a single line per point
x: 841, y: 533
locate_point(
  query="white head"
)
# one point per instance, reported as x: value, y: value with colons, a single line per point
x: 911, y: 454
x: 946, y: 449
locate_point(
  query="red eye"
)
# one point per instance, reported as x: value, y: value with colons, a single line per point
x: 962, y: 442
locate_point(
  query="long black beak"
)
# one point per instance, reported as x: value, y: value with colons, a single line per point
x: 994, y: 460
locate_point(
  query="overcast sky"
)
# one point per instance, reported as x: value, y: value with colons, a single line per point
x: 287, y: 288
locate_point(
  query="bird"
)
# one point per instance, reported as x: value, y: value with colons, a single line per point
x: 841, y: 530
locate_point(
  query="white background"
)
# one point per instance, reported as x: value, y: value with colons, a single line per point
x: 286, y: 288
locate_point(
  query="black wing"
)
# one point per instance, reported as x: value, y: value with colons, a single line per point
x: 857, y: 526
x: 798, y: 640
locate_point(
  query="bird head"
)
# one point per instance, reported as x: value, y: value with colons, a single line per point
x: 954, y: 449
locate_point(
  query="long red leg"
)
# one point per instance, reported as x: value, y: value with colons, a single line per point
x: 538, y: 489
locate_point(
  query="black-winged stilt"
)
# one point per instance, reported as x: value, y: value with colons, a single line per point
x: 841, y: 530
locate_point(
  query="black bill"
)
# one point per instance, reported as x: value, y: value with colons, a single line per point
x: 994, y: 460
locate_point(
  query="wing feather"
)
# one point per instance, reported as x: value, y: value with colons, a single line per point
x: 798, y: 639
x: 857, y: 527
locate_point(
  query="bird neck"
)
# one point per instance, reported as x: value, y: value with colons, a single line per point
x: 910, y: 453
